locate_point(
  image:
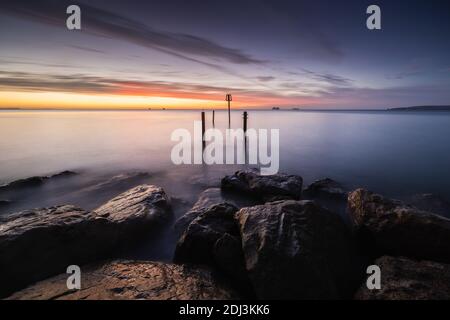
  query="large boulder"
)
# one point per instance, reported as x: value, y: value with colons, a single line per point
x: 405, y: 279
x: 397, y: 229
x: 213, y: 239
x: 207, y: 198
x: 264, y: 188
x: 136, y: 210
x: 129, y: 280
x: 38, y: 243
x: 297, y: 250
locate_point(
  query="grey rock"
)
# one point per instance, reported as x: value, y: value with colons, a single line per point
x: 38, y: 243
x: 130, y: 280
x: 213, y: 239
x: 398, y: 229
x: 207, y: 198
x: 406, y: 279
x: 296, y: 250
x: 264, y: 188
x: 325, y: 188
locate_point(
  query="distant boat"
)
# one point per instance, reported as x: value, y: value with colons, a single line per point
x: 275, y: 108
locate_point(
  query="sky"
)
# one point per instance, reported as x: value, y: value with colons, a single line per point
x: 188, y: 54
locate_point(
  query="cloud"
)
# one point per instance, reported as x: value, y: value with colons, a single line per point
x: 328, y: 78
x: 106, y: 23
x: 290, y: 94
x: 265, y: 78
x: 82, y: 48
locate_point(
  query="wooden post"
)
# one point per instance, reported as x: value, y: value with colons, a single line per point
x: 214, y: 116
x: 245, y: 121
x: 229, y: 98
x: 203, y: 126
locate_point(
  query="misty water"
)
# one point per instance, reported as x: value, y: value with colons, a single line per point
x: 393, y: 153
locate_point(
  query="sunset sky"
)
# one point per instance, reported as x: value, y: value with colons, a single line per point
x: 189, y: 54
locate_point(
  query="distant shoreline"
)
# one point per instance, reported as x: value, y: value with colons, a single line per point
x: 422, y: 108
x: 401, y: 109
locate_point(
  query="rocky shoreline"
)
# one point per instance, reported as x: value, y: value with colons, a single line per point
x: 280, y: 241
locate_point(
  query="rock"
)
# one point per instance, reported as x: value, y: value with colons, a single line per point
x: 327, y: 188
x: 398, y: 229
x: 197, y: 242
x: 264, y: 188
x: 38, y: 243
x: 34, y: 181
x: 136, y: 210
x: 213, y: 239
x: 432, y: 203
x: 129, y: 280
x: 297, y: 250
x: 207, y: 198
x: 405, y: 279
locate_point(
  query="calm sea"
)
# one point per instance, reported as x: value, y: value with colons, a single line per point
x: 393, y: 153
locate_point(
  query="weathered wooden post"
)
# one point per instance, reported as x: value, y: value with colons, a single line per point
x: 213, y: 118
x: 203, y: 126
x: 229, y: 98
x: 245, y: 121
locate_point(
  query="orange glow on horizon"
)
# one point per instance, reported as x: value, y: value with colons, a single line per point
x: 126, y: 100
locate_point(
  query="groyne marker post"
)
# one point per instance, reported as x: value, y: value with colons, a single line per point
x: 245, y: 121
x: 229, y: 98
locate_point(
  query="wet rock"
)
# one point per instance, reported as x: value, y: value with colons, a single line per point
x: 34, y: 181
x: 196, y: 245
x: 38, y: 243
x: 297, y: 250
x: 327, y: 188
x: 136, y: 209
x: 213, y: 239
x: 264, y: 188
x: 398, y: 229
x: 207, y: 198
x: 405, y: 279
x: 432, y: 203
x: 129, y: 280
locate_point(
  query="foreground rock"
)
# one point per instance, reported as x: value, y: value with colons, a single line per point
x: 213, y: 239
x: 35, y: 244
x: 264, y: 188
x: 207, y: 198
x: 432, y: 203
x: 326, y: 188
x: 136, y: 210
x: 296, y: 250
x: 400, y: 230
x: 405, y: 279
x: 128, y: 280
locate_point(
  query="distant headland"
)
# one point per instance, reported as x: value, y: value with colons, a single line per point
x: 422, y: 108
